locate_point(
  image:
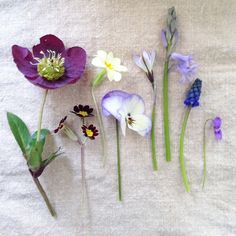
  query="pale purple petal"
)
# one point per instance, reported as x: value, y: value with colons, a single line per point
x: 163, y: 38
x: 112, y: 102
x: 218, y: 134
x: 139, y: 62
x: 217, y: 123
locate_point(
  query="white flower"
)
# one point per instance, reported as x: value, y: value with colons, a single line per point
x: 128, y: 109
x: 145, y: 61
x: 111, y: 64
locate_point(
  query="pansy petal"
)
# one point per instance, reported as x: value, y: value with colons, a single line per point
x: 23, y: 59
x: 123, y: 125
x: 113, y: 75
x: 142, y: 124
x: 134, y: 104
x: 75, y: 60
x: 112, y: 102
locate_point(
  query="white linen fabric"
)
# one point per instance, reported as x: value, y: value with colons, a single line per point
x: 154, y: 203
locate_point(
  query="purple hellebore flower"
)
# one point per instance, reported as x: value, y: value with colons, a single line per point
x: 50, y: 65
x: 217, y: 127
x: 185, y: 65
x: 128, y: 109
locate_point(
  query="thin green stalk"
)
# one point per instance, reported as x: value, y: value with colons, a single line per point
x: 101, y: 127
x: 166, y: 110
x: 44, y: 195
x: 204, y: 154
x: 118, y: 160
x: 181, y: 151
x: 153, y: 137
x: 41, y: 114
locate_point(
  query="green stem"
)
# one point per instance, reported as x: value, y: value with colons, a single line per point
x: 44, y: 195
x: 166, y: 110
x: 96, y: 82
x: 118, y: 160
x: 41, y: 115
x: 153, y: 136
x: 204, y: 154
x: 181, y: 151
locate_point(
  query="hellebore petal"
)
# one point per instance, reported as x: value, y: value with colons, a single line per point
x: 24, y: 59
x: 48, y: 42
x: 75, y: 60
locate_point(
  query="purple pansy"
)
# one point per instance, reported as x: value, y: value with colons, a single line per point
x: 217, y: 127
x: 128, y: 109
x: 185, y: 65
x: 50, y: 65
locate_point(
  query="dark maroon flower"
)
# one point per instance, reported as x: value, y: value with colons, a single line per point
x: 90, y: 131
x: 50, y: 66
x: 82, y: 111
x: 61, y: 125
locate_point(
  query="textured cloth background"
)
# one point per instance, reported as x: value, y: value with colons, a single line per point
x: 154, y: 203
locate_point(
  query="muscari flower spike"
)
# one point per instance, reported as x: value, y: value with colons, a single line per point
x: 82, y: 111
x: 216, y: 123
x: 185, y: 65
x: 50, y: 65
x: 192, y: 100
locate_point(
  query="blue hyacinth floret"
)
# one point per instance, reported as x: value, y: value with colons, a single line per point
x: 192, y: 98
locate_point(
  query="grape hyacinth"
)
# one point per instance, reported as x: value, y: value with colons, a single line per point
x: 191, y: 100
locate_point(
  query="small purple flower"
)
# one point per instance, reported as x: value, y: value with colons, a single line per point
x: 217, y: 127
x: 50, y: 65
x: 185, y: 65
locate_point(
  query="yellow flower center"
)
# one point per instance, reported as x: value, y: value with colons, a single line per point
x: 83, y: 113
x: 89, y: 132
x: 108, y: 65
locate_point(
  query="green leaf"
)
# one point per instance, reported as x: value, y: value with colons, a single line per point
x: 35, y: 149
x: 19, y: 130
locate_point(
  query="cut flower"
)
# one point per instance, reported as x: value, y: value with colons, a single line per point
x: 50, y: 65
x: 90, y: 131
x: 82, y: 111
x: 128, y: 109
x: 185, y: 65
x: 111, y: 64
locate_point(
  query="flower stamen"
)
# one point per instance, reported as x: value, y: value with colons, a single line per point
x: 51, y: 66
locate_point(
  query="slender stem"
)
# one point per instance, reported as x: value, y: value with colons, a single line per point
x: 118, y: 160
x: 101, y: 126
x: 41, y: 115
x: 181, y: 151
x: 204, y: 154
x: 153, y: 137
x: 82, y: 148
x: 166, y: 110
x: 44, y: 195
